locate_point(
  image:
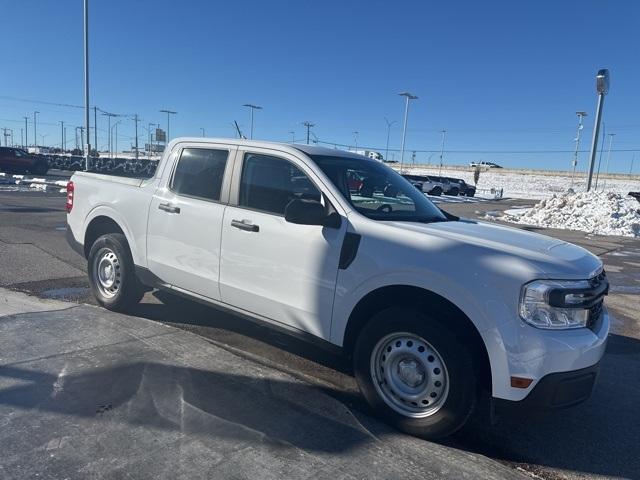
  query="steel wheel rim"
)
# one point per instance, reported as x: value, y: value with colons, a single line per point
x: 409, y: 374
x: 107, y: 273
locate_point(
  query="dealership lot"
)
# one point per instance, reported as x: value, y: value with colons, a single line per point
x: 597, y: 438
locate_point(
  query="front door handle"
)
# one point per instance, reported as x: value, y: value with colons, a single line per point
x: 169, y: 208
x: 245, y: 225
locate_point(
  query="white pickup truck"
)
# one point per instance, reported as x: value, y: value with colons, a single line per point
x: 433, y: 309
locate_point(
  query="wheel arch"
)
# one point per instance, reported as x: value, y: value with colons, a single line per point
x: 394, y: 295
x: 98, y: 226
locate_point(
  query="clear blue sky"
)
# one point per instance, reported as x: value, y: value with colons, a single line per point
x: 498, y: 75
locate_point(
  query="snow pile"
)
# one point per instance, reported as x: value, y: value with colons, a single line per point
x: 601, y: 213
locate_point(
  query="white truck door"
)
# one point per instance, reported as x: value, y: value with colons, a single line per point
x: 185, y: 219
x: 280, y: 270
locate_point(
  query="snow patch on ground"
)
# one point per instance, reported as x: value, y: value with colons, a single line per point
x: 600, y: 213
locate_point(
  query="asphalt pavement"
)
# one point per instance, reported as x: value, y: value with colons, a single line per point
x: 596, y: 439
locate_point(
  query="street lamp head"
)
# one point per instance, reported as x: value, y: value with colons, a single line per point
x: 602, y: 81
x: 257, y: 107
x: 581, y: 114
x: 410, y: 96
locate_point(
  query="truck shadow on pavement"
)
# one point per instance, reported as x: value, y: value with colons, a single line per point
x: 231, y: 406
x: 597, y: 437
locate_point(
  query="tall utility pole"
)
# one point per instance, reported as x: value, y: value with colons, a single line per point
x: 633, y: 157
x: 408, y: 97
x: 355, y: 137
x: 168, y: 112
x: 602, y: 87
x: 82, y: 139
x: 202, y: 130
x: 252, y: 107
x: 26, y: 132
x: 23, y: 145
x: 581, y: 115
x: 611, y: 135
x: 135, y: 119
x: 386, y: 152
x: 35, y: 129
x: 86, y: 84
x: 62, y: 135
x: 444, y: 133
x: 308, y: 124
x: 5, y: 134
x: 293, y: 137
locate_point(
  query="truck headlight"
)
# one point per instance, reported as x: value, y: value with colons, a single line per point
x: 557, y: 304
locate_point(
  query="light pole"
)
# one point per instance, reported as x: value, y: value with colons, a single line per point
x: 42, y: 137
x: 115, y: 125
x: 444, y: 133
x: 252, y: 107
x: 202, y: 130
x: 62, y: 135
x: 581, y: 115
x: 150, y: 137
x: 604, y: 184
x: 109, y: 115
x: 408, y: 97
x: 86, y: 84
x: 26, y: 132
x: 293, y: 137
x: 602, y: 87
x: 386, y: 152
x: 168, y: 112
x: 355, y: 138
x: 135, y: 119
x: 35, y: 129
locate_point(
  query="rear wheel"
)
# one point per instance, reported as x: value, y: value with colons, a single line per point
x: 437, y: 191
x: 415, y: 372
x: 112, y: 273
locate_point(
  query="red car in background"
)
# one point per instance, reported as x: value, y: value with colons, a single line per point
x: 17, y: 160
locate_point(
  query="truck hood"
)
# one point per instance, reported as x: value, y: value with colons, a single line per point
x: 552, y: 257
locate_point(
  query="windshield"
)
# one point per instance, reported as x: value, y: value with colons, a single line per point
x: 376, y: 191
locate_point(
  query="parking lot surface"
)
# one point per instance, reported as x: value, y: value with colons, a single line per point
x: 596, y: 439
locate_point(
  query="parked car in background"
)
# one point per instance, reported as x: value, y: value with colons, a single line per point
x: 426, y: 184
x: 448, y: 188
x: 435, y: 312
x: 17, y: 160
x: 484, y: 165
x: 463, y: 187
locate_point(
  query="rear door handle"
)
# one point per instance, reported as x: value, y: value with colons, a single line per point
x: 169, y: 208
x: 245, y: 225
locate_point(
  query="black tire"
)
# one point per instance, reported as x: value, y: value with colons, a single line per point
x: 437, y: 191
x: 460, y: 400
x: 126, y: 290
x: 454, y: 191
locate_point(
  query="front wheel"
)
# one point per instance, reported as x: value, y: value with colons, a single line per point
x: 112, y: 273
x: 415, y: 372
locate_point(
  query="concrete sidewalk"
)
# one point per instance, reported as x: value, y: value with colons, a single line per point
x: 87, y: 393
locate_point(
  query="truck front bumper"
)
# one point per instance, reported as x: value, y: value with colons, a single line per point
x: 555, y: 391
x: 562, y: 364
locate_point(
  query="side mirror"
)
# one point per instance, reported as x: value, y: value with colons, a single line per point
x: 310, y: 212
